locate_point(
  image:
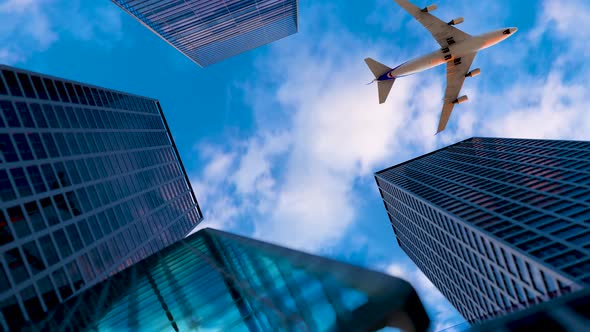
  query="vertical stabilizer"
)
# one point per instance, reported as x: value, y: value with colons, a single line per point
x: 384, y: 87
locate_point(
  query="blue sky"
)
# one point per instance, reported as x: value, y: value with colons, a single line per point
x: 281, y: 142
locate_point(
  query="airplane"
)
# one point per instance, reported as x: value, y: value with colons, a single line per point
x: 458, y: 49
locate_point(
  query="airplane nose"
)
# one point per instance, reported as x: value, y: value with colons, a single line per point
x: 513, y: 30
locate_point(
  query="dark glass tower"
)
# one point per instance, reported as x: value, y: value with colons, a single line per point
x: 217, y: 281
x: 568, y: 313
x: 496, y: 224
x: 90, y: 183
x: 209, y: 31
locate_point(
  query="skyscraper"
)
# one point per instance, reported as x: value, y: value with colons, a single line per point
x: 90, y: 182
x: 496, y: 224
x: 208, y: 31
x: 217, y: 281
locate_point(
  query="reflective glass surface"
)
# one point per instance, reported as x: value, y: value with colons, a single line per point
x: 218, y: 281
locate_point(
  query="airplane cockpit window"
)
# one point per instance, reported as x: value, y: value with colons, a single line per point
x: 506, y: 32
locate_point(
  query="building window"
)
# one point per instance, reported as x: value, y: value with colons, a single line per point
x: 566, y: 258
x: 35, y: 216
x: 16, y: 265
x: 61, y: 89
x: 12, y: 83
x: 33, y: 256
x: 3, y: 90
x: 49, y: 211
x: 39, y: 87
x: 21, y: 182
x: 50, y: 116
x: 62, y: 243
x: 579, y: 269
x: 19, y: 223
x: 71, y: 93
x: 33, y: 304
x: 9, y: 114
x: 62, y: 283
x: 26, y: 85
x: 37, y: 113
x: 570, y: 231
x: 37, y: 145
x: 25, y: 115
x: 51, y: 89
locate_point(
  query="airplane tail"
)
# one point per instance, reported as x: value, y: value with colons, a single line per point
x: 377, y: 68
x: 383, y: 87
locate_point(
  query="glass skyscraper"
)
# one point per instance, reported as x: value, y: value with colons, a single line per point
x: 90, y: 183
x: 216, y: 281
x: 209, y: 31
x: 496, y: 224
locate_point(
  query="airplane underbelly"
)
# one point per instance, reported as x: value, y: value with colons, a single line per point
x: 437, y: 58
x: 419, y: 64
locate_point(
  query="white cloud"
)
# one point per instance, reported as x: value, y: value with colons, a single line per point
x: 24, y: 26
x: 312, y: 211
x: 98, y: 24
x: 320, y: 132
x: 237, y: 183
x: 552, y: 109
x: 253, y: 172
x: 295, y: 178
x: 220, y: 208
x: 9, y: 56
x: 338, y: 133
x: 568, y: 20
x: 219, y: 166
x: 552, y: 104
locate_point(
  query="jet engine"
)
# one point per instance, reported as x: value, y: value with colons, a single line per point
x: 429, y: 9
x: 460, y: 100
x: 473, y: 73
x: 456, y: 21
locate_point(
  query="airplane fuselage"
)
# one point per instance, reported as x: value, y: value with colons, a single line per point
x: 451, y: 53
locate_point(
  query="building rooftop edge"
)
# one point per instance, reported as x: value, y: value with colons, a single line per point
x: 468, y: 139
x: 421, y: 156
x: 4, y: 66
x: 179, y: 160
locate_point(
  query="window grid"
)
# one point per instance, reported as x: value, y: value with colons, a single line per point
x: 510, y: 216
x: 208, y: 32
x: 91, y: 183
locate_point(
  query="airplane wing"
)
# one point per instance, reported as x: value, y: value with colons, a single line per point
x: 455, y: 78
x: 444, y: 34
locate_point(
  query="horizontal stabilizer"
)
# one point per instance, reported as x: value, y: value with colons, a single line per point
x: 377, y: 68
x: 384, y: 87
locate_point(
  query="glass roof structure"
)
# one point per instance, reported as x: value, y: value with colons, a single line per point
x: 218, y: 281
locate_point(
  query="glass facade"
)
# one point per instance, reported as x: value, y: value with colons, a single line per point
x: 496, y: 224
x: 90, y: 183
x: 216, y: 281
x: 209, y: 31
